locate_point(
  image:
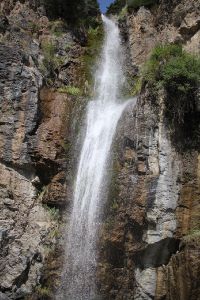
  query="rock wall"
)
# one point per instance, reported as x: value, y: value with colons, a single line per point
x: 150, y: 237
x: 36, y: 58
x: 149, y: 245
x: 151, y: 228
x: 169, y: 22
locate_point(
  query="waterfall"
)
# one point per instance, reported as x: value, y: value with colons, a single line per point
x: 103, y: 114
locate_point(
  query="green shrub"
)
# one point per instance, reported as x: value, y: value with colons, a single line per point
x: 54, y: 212
x: 192, y: 235
x: 48, y: 48
x: 71, y: 90
x: 51, y: 62
x: 54, y: 233
x: 109, y: 223
x: 182, y: 73
x: 116, y: 7
x: 74, y: 12
x: 132, y: 86
x: 33, y: 27
x: 65, y: 144
x: 122, y: 13
x: 160, y: 55
x: 94, y: 43
x: 57, y: 27
x: 43, y: 291
x: 173, y: 68
x: 136, y: 87
x: 178, y: 72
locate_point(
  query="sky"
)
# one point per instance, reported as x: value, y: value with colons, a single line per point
x: 104, y: 4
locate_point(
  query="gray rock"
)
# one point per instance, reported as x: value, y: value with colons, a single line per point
x: 3, y: 297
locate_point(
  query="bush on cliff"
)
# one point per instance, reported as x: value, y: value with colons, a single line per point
x: 182, y: 73
x: 70, y: 90
x: 160, y: 56
x: 94, y: 44
x: 172, y: 67
x: 50, y: 62
x: 116, y: 7
x: 73, y: 11
x: 178, y: 72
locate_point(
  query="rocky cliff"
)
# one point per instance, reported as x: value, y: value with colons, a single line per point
x: 167, y: 22
x: 38, y: 59
x: 149, y: 245
x: 150, y: 237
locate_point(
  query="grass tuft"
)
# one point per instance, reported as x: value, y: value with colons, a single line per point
x: 70, y: 90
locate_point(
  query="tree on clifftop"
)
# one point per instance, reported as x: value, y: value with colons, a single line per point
x: 72, y: 11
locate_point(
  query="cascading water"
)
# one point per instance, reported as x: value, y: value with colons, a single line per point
x: 103, y: 114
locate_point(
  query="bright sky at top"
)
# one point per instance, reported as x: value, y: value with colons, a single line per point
x: 104, y: 4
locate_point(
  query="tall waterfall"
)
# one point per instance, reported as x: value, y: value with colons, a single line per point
x: 103, y: 114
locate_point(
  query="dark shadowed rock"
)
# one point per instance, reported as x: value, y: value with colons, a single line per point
x: 4, y: 24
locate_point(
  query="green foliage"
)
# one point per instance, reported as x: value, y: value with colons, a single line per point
x: 57, y: 27
x: 182, y: 73
x: 123, y: 13
x: 132, y: 86
x: 92, y: 7
x: 43, y: 292
x: 136, y: 87
x: 94, y: 43
x: 192, y: 235
x: 176, y: 70
x: 54, y: 233
x: 114, y: 205
x: 134, y: 4
x: 116, y: 7
x: 50, y: 62
x: 71, y: 90
x: 66, y: 145
x: 109, y: 223
x: 54, y: 212
x: 74, y: 12
x: 160, y: 55
x: 95, y: 37
x: 41, y: 192
x: 33, y: 27
x: 48, y: 48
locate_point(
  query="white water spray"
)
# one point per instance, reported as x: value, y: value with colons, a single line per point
x: 103, y: 114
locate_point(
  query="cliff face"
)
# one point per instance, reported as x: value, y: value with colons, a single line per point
x: 150, y: 236
x: 149, y: 245
x: 36, y: 57
x: 168, y: 22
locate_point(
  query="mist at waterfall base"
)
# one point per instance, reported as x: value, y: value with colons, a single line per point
x: 103, y: 114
